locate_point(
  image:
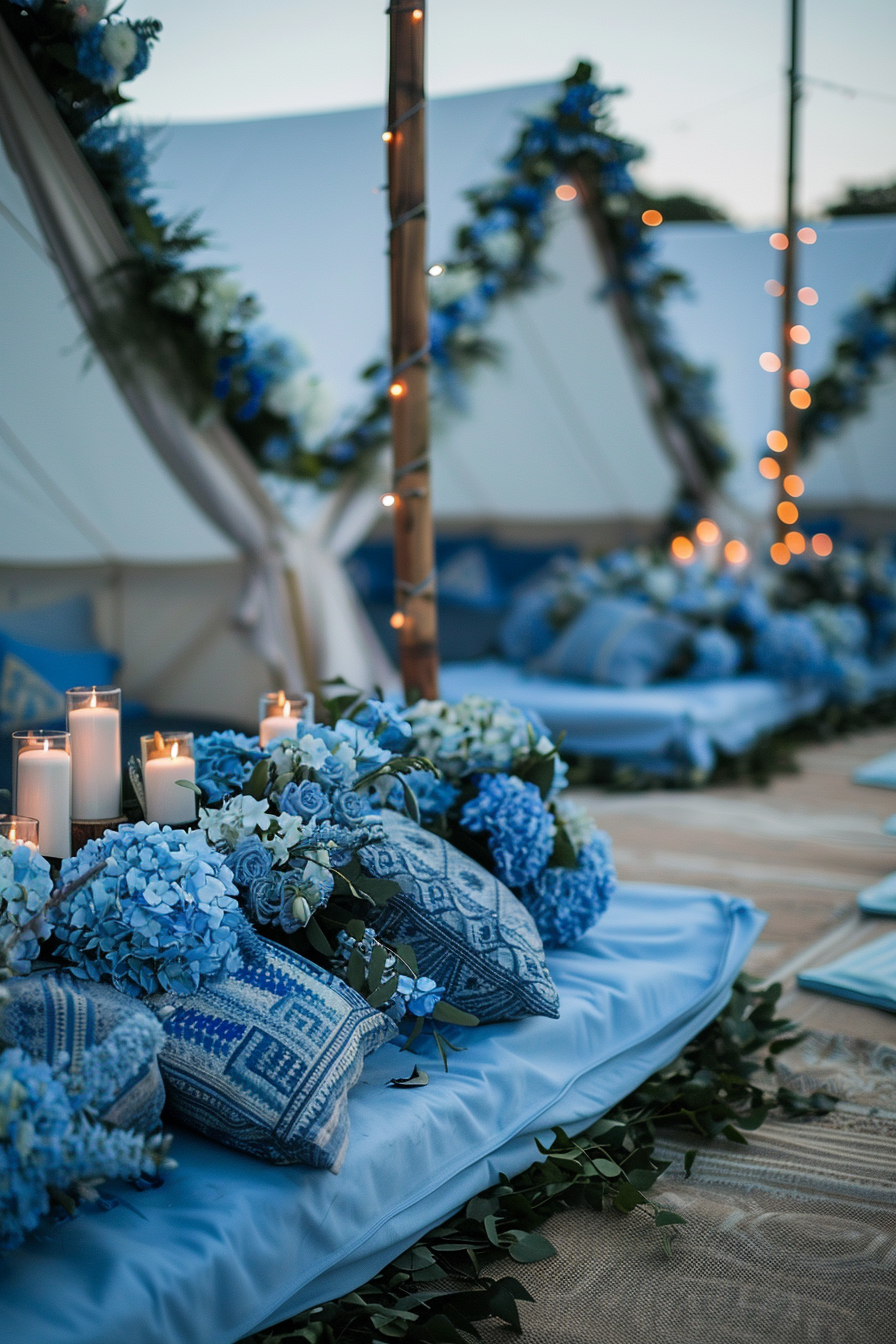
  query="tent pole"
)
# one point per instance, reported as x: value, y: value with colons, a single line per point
x: 415, y: 587
x: 790, y: 422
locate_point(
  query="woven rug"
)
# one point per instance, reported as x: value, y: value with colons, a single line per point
x: 790, y: 1239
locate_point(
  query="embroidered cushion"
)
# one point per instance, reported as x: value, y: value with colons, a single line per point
x: 263, y: 1059
x: 49, y: 1014
x: 616, y: 642
x: 469, y: 931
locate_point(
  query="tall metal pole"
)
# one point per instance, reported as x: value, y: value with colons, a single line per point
x: 789, y: 416
x: 415, y: 616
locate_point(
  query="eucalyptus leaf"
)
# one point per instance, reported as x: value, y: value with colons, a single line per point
x: 406, y: 954
x: 532, y: 1248
x: 377, y: 966
x: 416, y: 1079
x: 317, y: 938
x: 257, y: 783
x: 446, y: 1012
x: 383, y: 993
x: 666, y: 1218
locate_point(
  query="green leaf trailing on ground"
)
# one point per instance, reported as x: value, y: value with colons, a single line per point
x: 714, y: 1088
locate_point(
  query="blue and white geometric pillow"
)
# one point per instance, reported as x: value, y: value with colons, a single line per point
x: 263, y: 1060
x: 49, y: 1014
x: 469, y: 932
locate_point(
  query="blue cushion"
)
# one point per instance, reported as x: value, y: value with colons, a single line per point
x: 881, y: 772
x: 468, y: 931
x: 866, y: 975
x: 879, y: 899
x: 616, y: 642
x: 526, y: 630
x: 33, y: 679
x: 50, y: 1014
x: 66, y: 625
x: 229, y: 1245
x: 263, y: 1060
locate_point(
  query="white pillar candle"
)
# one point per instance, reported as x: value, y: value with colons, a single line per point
x: 96, y: 762
x: 167, y: 802
x: 278, y: 725
x: 44, y: 791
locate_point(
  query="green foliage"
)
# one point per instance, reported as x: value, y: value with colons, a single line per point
x: 712, y: 1089
x: 876, y: 200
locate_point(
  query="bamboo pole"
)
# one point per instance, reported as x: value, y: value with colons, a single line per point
x: 790, y: 423
x: 415, y: 588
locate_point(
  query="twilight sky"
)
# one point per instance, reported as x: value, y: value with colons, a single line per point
x: 704, y: 77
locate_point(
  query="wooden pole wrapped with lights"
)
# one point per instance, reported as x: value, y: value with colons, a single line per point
x: 415, y: 616
x: 786, y: 511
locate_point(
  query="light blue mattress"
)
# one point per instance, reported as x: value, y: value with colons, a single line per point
x: 659, y: 728
x: 229, y: 1244
x: 866, y: 975
x: 880, y: 773
x: 879, y: 899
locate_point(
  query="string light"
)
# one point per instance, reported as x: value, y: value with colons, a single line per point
x: 397, y: 390
x: 794, y: 486
x: 736, y: 553
x: 799, y: 378
x: 800, y: 399
x: 396, y: 620
x: 779, y: 242
x: 769, y: 468
x: 822, y: 544
x: 806, y: 235
x: 776, y: 440
x: 787, y: 512
x: 417, y: 14
x: 651, y: 218
x: 800, y: 334
x: 388, y: 501
x: 769, y: 361
x: 774, y: 287
x: 565, y: 192
x: 808, y: 296
x: 437, y: 269
x: 779, y: 553
x: 387, y: 136
x: 682, y: 548
x: 795, y: 542
x: 707, y: 532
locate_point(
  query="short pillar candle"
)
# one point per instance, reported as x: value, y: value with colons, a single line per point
x: 279, y: 715
x: 20, y: 830
x: 168, y: 758
x: 93, y: 719
x: 42, y: 788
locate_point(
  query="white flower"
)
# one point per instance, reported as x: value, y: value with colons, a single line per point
x: 119, y: 45
x: 306, y: 400
x: 578, y: 825
x: 179, y: 293
x: 220, y: 299
x: 502, y: 249
x: 452, y: 285
x: 235, y: 819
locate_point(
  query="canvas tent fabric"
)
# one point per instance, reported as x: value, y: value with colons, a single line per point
x: 229, y: 1244
x: 107, y: 474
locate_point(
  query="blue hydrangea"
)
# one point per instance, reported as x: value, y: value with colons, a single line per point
x: 716, y: 654
x: 25, y: 886
x: 565, y: 902
x: 224, y: 761
x: 434, y: 795
x: 789, y: 647
x: 387, y: 725
x: 161, y: 917
x: 519, y: 826
x: 420, y: 995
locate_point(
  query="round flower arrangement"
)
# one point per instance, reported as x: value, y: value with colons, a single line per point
x: 25, y: 887
x: 160, y: 917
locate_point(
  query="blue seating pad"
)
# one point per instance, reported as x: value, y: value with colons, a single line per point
x: 658, y: 727
x: 229, y: 1244
x: 879, y: 899
x: 866, y: 975
x: 880, y: 773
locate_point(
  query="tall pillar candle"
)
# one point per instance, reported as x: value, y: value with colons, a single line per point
x: 43, y: 788
x: 168, y: 758
x: 279, y: 715
x: 94, y: 723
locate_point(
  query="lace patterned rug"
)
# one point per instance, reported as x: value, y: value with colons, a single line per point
x: 791, y: 1240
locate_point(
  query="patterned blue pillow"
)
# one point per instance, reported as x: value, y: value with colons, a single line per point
x: 263, y: 1059
x: 49, y: 1013
x: 616, y: 642
x: 469, y: 932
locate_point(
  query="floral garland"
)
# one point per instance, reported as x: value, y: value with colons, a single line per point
x: 205, y: 331
x: 869, y: 337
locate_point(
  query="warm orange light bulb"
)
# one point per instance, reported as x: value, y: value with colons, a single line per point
x: 736, y: 553
x: 417, y: 14
x: 787, y: 512
x: 800, y: 399
x: 822, y: 544
x: 397, y: 390
x: 565, y: 192
x: 793, y: 485
x: 776, y: 440
x: 774, y: 287
x: 707, y: 532
x: 387, y: 136
x: 396, y: 620
x: 806, y: 235
x: 769, y: 468
x: 779, y: 553
x: 682, y: 548
x: 769, y: 361
x: 800, y: 334
x: 808, y: 296
x: 651, y: 218
x: 388, y: 500
x: 795, y: 542
x: 437, y: 269
x: 779, y: 241
x: 799, y: 378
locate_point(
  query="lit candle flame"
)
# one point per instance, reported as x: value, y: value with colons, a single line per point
x: 175, y: 746
x: 13, y: 835
x: 93, y: 701
x: 46, y: 744
x: 281, y: 700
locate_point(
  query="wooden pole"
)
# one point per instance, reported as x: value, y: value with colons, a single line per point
x: 415, y: 588
x: 790, y: 424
